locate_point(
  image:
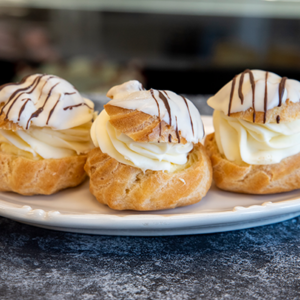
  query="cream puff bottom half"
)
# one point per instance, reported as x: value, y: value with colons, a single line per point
x: 123, y: 187
x: 21, y: 173
x: 253, y: 179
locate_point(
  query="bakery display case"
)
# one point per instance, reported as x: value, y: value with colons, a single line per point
x: 192, y: 45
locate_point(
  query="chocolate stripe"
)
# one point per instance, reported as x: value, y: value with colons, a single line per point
x: 167, y: 105
x: 23, y: 107
x: 39, y: 110
x: 50, y: 77
x: 231, y: 95
x: 186, y: 103
x: 278, y: 119
x: 240, y: 89
x: 152, y: 94
x: 29, y: 92
x: 76, y: 105
x: 52, y: 109
x: 281, y: 89
x: 17, y: 83
x: 166, y: 94
x: 20, y: 90
x: 177, y: 132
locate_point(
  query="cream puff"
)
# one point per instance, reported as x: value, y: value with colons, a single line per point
x: 148, y: 154
x: 44, y: 135
x: 256, y: 145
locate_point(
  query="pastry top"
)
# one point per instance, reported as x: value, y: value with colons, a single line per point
x: 151, y: 130
x: 259, y: 97
x: 153, y: 115
x: 43, y: 101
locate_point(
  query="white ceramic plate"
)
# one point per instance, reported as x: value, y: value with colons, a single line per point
x: 76, y: 210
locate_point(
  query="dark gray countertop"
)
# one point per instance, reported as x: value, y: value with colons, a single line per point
x: 259, y: 263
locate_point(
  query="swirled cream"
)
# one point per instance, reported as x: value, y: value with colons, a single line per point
x: 177, y: 111
x: 257, y: 144
x: 256, y: 89
x: 55, y: 119
x: 146, y: 155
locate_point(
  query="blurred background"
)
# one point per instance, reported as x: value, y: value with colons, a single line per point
x: 192, y: 47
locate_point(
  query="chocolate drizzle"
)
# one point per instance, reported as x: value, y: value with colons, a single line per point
x: 166, y: 94
x: 76, y: 105
x: 50, y: 77
x: 36, y: 81
x: 29, y: 89
x: 141, y: 88
x: 281, y: 89
x: 34, y: 85
x: 240, y: 89
x: 167, y: 105
x: 152, y: 94
x: 39, y: 110
x: 177, y: 132
x: 17, y: 83
x: 192, y: 125
x: 278, y: 119
x: 231, y: 95
x: 170, y: 138
x: 52, y: 109
x: 266, y: 97
x: 23, y: 107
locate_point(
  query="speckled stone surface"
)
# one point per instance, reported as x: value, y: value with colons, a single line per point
x: 259, y: 263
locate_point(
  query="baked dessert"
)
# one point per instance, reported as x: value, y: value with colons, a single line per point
x: 256, y: 147
x: 44, y: 135
x: 148, y: 154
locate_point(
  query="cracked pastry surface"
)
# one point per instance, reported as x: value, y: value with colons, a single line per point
x: 148, y: 154
x: 255, y: 148
x: 122, y: 187
x: 44, y: 135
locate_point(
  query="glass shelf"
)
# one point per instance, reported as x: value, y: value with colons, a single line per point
x: 247, y: 8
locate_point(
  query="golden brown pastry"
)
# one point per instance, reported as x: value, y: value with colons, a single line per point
x: 44, y: 135
x: 256, y: 147
x: 44, y: 176
x: 148, y: 154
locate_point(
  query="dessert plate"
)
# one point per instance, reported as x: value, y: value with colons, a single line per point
x: 76, y: 210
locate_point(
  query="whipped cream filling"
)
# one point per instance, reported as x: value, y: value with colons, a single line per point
x: 257, y: 144
x: 48, y: 143
x: 146, y: 156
